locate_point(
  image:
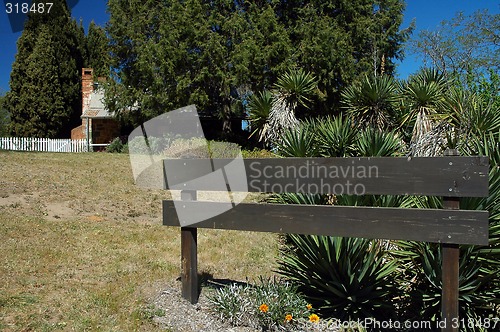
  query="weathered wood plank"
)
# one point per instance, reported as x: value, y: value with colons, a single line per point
x: 189, y: 256
x: 450, y: 271
x: 189, y: 264
x: 441, y: 226
x: 434, y: 176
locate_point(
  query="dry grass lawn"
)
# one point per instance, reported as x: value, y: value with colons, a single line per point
x: 83, y: 249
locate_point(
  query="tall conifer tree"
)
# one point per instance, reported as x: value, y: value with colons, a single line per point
x: 44, y: 98
x: 167, y: 54
x: 97, y: 50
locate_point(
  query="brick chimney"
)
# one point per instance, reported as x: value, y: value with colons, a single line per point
x: 87, y: 87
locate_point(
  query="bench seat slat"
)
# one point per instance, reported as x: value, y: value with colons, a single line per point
x: 430, y: 225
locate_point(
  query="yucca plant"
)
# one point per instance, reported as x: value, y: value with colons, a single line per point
x: 479, y: 293
x: 296, y: 87
x: 299, y: 198
x: 292, y: 89
x: 345, y: 278
x: 272, y: 112
x: 375, y: 143
x: 424, y: 100
x: 336, y: 136
x: 299, y: 142
x: 479, y: 283
x: 372, y: 102
x: 259, y: 108
x: 472, y: 114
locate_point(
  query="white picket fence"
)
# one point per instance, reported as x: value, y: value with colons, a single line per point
x: 43, y: 144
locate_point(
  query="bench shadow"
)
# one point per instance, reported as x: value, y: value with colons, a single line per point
x: 207, y: 280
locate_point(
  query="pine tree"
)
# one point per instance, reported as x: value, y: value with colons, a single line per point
x: 211, y: 53
x: 4, y: 117
x: 44, y: 98
x: 168, y: 54
x: 341, y: 41
x: 97, y: 50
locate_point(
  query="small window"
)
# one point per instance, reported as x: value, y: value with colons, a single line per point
x: 87, y: 72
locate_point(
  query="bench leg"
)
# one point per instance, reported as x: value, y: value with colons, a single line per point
x: 189, y: 257
x: 450, y: 254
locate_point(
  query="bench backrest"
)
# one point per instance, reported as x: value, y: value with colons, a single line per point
x: 449, y: 176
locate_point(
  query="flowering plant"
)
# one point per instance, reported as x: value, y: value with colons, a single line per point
x: 270, y: 304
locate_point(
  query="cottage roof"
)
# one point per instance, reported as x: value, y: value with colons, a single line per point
x: 97, y: 109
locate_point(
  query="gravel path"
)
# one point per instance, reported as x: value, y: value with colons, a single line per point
x: 182, y: 316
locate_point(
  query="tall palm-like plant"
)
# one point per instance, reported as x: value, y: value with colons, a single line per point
x: 471, y: 113
x: 260, y: 105
x: 372, y: 102
x: 424, y: 99
x: 292, y: 89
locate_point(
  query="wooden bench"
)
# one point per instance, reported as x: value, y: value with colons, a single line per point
x: 450, y: 177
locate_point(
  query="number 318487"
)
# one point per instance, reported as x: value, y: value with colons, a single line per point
x: 25, y: 8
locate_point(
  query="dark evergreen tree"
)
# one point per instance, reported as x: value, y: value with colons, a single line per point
x: 45, y: 98
x: 4, y: 118
x: 342, y: 41
x: 97, y: 54
x: 167, y: 54
x: 211, y: 53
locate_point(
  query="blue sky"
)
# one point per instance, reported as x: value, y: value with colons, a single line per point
x: 427, y: 13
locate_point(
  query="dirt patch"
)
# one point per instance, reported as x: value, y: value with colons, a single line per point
x: 95, y: 187
x: 60, y: 210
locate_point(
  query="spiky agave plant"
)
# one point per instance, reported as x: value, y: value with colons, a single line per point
x: 424, y: 99
x: 292, y: 89
x: 479, y: 285
x: 372, y: 102
x: 259, y: 107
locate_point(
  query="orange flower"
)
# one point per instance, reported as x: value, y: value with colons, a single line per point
x: 288, y: 318
x: 263, y: 308
x: 314, y: 318
x: 309, y: 307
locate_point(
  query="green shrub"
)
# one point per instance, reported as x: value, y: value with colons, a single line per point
x: 345, y: 278
x: 116, y: 146
x: 223, y: 149
x: 257, y: 153
x: 265, y: 305
x: 187, y: 148
x: 156, y: 145
x: 201, y: 148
